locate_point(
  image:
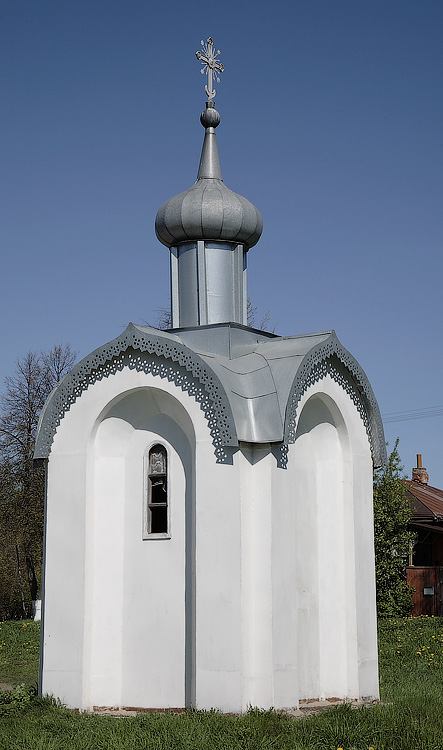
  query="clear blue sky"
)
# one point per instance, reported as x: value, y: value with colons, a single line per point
x: 332, y: 124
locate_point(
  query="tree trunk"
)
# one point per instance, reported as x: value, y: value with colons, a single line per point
x: 32, y: 578
x: 20, y: 579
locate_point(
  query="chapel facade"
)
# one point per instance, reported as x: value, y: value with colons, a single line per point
x: 208, y: 523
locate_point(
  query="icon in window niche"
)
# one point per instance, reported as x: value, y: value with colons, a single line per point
x: 158, y: 462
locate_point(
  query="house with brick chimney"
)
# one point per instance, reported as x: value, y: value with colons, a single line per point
x: 425, y: 572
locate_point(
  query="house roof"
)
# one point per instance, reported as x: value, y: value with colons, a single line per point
x: 427, y: 501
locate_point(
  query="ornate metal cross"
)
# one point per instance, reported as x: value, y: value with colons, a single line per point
x: 211, y: 66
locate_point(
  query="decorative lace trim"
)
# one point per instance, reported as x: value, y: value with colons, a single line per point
x: 188, y: 372
x: 331, y: 359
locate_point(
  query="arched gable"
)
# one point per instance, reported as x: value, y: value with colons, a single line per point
x: 331, y: 358
x: 160, y: 354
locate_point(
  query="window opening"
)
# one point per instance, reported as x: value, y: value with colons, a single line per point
x: 158, y: 490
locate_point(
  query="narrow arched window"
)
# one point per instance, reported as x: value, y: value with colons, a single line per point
x: 157, y: 490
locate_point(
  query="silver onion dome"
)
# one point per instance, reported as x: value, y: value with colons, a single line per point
x: 209, y: 210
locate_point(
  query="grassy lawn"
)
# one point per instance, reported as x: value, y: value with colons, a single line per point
x: 19, y: 650
x: 410, y: 718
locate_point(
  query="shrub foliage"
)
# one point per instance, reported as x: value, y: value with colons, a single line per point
x: 393, y: 539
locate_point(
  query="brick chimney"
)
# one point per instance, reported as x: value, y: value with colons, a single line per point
x: 419, y: 474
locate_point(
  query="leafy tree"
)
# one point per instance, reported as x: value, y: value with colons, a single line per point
x: 21, y: 483
x: 393, y: 539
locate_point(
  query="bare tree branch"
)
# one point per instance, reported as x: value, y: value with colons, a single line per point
x: 22, y: 484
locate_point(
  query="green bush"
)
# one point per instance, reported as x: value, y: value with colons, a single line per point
x: 18, y: 697
x: 392, y: 538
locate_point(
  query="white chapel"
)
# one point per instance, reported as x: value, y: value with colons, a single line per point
x: 208, y: 528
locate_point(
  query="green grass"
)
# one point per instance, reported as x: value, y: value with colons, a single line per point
x: 19, y: 651
x: 410, y: 717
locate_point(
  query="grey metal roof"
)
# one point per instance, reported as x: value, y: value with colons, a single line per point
x: 264, y: 386
x: 209, y: 210
x: 248, y: 383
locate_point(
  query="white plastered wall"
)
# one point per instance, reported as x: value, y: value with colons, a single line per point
x: 265, y: 592
x: 308, y: 579
x: 138, y: 586
x: 104, y: 642
x: 331, y: 524
x: 256, y: 464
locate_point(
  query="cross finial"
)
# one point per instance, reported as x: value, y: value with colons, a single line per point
x: 211, y: 66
